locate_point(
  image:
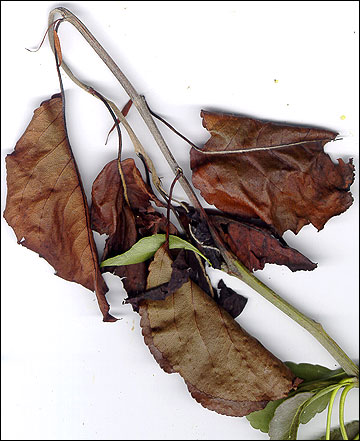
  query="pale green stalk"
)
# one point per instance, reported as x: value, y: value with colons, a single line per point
x: 341, y: 410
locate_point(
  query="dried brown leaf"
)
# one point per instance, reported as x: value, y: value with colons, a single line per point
x: 286, y: 187
x: 46, y: 205
x: 255, y: 245
x: 230, y: 300
x: 180, y: 274
x: 125, y: 225
x: 225, y: 369
x: 57, y: 47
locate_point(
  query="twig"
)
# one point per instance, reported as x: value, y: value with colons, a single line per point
x: 234, y: 267
x: 239, y: 151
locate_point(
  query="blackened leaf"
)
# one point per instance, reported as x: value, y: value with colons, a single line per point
x: 251, y: 240
x: 198, y: 229
x: 180, y: 274
x: 198, y: 273
x: 230, y: 300
x: 286, y: 187
x: 46, y: 205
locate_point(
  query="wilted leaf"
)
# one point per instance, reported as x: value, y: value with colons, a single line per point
x: 110, y: 214
x: 146, y: 247
x: 254, y: 245
x: 198, y: 228
x: 225, y: 369
x: 285, y: 422
x: 252, y: 241
x: 180, y: 274
x: 46, y: 205
x: 230, y: 300
x: 286, y: 187
x: 352, y: 429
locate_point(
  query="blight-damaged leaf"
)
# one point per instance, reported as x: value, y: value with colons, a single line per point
x: 230, y: 300
x: 251, y: 240
x: 124, y: 224
x: 287, y: 187
x: 46, y: 204
x: 254, y: 245
x: 180, y: 274
x: 225, y: 369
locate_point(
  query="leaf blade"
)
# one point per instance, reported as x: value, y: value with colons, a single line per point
x: 225, y: 369
x: 285, y: 422
x: 261, y: 419
x: 146, y: 247
x: 352, y: 429
x: 286, y: 188
x: 46, y: 204
x: 311, y: 372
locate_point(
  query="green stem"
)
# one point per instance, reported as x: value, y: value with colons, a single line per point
x: 234, y: 267
x: 310, y: 325
x: 325, y: 391
x: 341, y: 410
x: 330, y: 408
x: 356, y: 437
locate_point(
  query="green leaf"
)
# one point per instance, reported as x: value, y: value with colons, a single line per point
x: 352, y: 429
x: 260, y: 419
x: 317, y: 377
x: 312, y: 372
x: 317, y: 406
x: 146, y: 247
x: 285, y: 422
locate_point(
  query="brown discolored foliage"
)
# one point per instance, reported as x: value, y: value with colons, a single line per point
x: 230, y: 300
x: 255, y: 245
x: 124, y: 224
x: 46, y: 205
x: 286, y: 187
x: 225, y: 369
x: 251, y: 240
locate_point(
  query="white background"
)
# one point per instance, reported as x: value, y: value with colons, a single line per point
x: 65, y: 373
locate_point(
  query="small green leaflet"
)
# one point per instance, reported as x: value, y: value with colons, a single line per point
x: 352, y: 429
x: 286, y: 420
x: 146, y: 247
x: 312, y: 372
x: 260, y: 419
x: 312, y: 408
